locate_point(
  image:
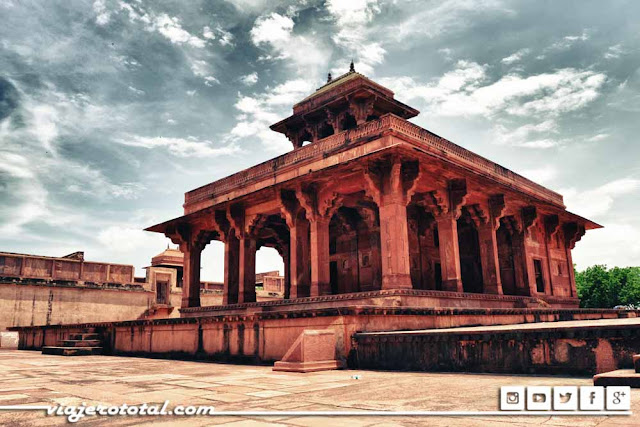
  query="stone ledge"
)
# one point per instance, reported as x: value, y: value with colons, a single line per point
x: 621, y: 377
x: 352, y: 310
x: 381, y: 293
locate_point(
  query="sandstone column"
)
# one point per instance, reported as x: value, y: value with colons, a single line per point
x: 247, y: 269
x: 489, y: 258
x: 388, y: 182
x: 191, y: 275
x: 299, y: 267
x: 231, y: 269
x: 319, y: 240
x: 449, y: 252
x: 394, y: 243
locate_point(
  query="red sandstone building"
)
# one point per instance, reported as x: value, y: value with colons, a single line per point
x: 367, y: 203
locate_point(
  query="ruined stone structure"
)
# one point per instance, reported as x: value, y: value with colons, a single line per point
x: 367, y: 201
x: 383, y: 227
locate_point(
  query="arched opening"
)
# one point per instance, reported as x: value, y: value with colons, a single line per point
x: 469, y: 247
x: 349, y: 122
x: 269, y: 274
x: 211, y: 274
x: 305, y: 138
x: 325, y: 130
x: 355, y: 263
x: 272, y: 257
x: 424, y: 252
x: 506, y: 260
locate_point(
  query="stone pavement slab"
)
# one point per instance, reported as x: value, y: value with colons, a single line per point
x: 30, y: 378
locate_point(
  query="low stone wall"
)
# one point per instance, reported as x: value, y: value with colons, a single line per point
x: 567, y: 350
x: 51, y: 303
x: 265, y: 337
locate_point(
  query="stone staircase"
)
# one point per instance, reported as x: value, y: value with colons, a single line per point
x: 85, y: 343
x: 630, y: 377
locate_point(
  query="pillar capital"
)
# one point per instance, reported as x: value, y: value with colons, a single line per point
x: 551, y: 226
x: 573, y: 232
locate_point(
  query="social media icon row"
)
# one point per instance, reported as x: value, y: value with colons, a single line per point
x: 543, y: 398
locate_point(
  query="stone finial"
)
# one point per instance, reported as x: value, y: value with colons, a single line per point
x: 329, y: 78
x: 352, y: 67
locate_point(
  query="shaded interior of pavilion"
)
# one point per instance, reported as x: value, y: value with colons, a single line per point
x: 355, y: 263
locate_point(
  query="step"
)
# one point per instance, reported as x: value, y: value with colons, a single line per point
x: 80, y: 343
x: 71, y: 351
x: 636, y: 362
x: 84, y: 336
x: 620, y: 377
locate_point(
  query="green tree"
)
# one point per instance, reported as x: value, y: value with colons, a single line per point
x: 599, y: 287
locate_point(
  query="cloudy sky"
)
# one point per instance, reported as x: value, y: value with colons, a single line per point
x: 110, y: 110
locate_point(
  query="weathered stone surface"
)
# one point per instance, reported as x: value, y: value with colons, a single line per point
x: 314, y: 350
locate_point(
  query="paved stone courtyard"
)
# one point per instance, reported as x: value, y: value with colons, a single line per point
x: 30, y: 378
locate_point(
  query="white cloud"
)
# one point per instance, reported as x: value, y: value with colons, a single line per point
x: 183, y: 147
x: 443, y: 17
x: 167, y: 26
x: 305, y: 53
x: 529, y: 136
x: 136, y: 91
x: 207, y: 33
x: 515, y: 57
x: 569, y: 41
x: 543, y: 175
x: 598, y: 201
x: 273, y: 29
x: 352, y: 19
x: 614, y: 52
x: 260, y: 111
x: 124, y: 238
x: 465, y: 91
x: 617, y: 244
x: 249, y: 79
x: 103, y: 15
x: 598, y: 137
x: 170, y: 28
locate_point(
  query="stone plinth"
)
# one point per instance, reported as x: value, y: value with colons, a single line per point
x: 314, y: 350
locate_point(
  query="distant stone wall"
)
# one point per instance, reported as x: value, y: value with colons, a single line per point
x: 48, y: 268
x: 51, y: 304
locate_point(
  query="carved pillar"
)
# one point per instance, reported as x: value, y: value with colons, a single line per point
x: 287, y: 272
x: 551, y: 227
x: 191, y: 243
x: 299, y: 259
x: 489, y: 246
x: 299, y: 266
x: 489, y: 259
x: 529, y: 220
x: 446, y: 220
x: 191, y: 274
x: 231, y: 269
x: 449, y: 252
x: 247, y: 269
x: 319, y: 240
x: 389, y: 182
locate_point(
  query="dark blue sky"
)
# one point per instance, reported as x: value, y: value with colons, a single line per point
x: 111, y: 110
